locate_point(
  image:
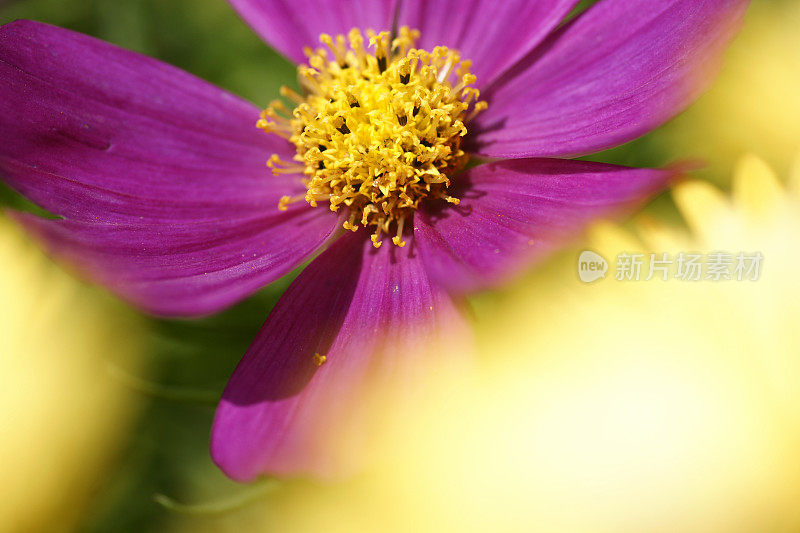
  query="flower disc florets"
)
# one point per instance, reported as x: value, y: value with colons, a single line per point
x: 376, y: 132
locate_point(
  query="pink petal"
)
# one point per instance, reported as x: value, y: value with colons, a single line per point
x: 289, y: 26
x: 368, y: 311
x: 161, y: 176
x: 493, y: 34
x: 514, y: 212
x: 620, y: 70
x: 185, y: 269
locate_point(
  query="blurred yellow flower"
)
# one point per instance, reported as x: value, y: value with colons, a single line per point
x: 620, y: 407
x: 663, y: 406
x: 62, y: 419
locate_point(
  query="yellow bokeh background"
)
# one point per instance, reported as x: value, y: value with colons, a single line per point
x: 63, y: 418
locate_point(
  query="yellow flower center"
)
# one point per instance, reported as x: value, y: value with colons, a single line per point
x: 376, y: 132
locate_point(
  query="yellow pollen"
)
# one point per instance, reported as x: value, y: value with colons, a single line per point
x: 319, y: 360
x: 375, y: 132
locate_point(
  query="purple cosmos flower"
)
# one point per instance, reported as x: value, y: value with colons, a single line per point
x: 160, y: 180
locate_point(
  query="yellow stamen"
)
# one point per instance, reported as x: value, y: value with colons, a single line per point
x: 398, y: 239
x: 319, y: 359
x: 279, y: 166
x: 286, y: 92
x: 285, y: 201
x: 376, y: 133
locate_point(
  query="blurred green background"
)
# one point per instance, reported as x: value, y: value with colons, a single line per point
x: 167, y: 452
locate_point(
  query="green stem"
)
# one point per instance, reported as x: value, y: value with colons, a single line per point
x: 255, y: 492
x: 161, y: 391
